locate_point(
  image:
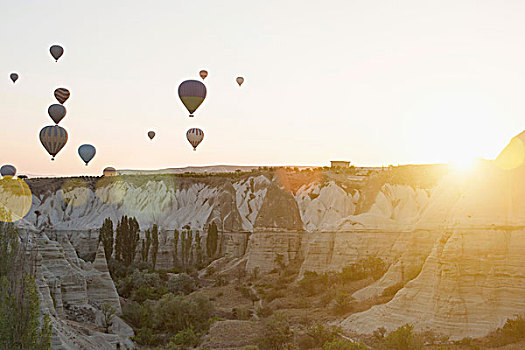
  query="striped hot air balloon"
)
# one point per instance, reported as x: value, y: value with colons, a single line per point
x: 192, y: 93
x: 195, y: 136
x: 7, y: 170
x: 56, y: 112
x: 62, y: 94
x: 53, y: 139
x: 203, y: 73
x: 110, y: 171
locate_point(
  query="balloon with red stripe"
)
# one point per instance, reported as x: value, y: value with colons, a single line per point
x: 195, y: 136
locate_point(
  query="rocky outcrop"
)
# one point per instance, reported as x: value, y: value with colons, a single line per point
x: 279, y: 211
x: 72, y: 292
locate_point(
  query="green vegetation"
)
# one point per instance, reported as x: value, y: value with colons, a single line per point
x: 127, y: 240
x: 20, y: 327
x: 154, y: 245
x: 512, y: 331
x: 212, y: 240
x: 106, y: 237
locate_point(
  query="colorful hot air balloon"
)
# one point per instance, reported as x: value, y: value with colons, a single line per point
x: 110, y: 171
x: 14, y: 77
x: 151, y: 134
x: 86, y: 152
x: 53, y: 139
x: 203, y: 73
x: 7, y: 170
x: 56, y: 112
x: 240, y: 80
x: 195, y: 136
x: 192, y: 93
x: 62, y: 94
x: 56, y: 51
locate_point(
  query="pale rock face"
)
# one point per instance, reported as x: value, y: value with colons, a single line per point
x: 72, y: 290
x: 473, y: 279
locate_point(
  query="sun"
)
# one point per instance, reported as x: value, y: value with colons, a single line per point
x: 463, y: 164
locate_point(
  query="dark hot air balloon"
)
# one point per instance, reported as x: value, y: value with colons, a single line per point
x: 14, y: 77
x: 56, y: 51
x: 203, y: 73
x: 62, y: 94
x: 7, y: 170
x: 151, y: 134
x: 53, y: 139
x: 195, y: 136
x: 56, y: 112
x: 192, y: 93
x: 86, y: 152
x: 239, y: 80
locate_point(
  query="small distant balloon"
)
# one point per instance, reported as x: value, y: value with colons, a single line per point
x: 53, y: 138
x: 62, y: 94
x: 192, y: 93
x: 195, y: 136
x: 56, y: 51
x: 7, y: 170
x: 240, y: 80
x: 14, y: 77
x: 151, y: 134
x: 86, y: 152
x: 56, y: 112
x: 203, y: 73
x: 109, y: 171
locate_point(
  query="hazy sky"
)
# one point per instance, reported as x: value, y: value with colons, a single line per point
x: 374, y: 82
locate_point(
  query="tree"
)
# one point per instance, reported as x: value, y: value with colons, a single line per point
x: 403, y: 338
x: 211, y: 240
x: 145, y: 246
x: 175, y: 246
x: 154, y: 244
x: 198, y: 249
x: 20, y: 327
x: 108, y: 312
x: 127, y: 240
x: 105, y: 235
x: 278, y: 334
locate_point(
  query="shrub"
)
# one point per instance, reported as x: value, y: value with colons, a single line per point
x: 343, y: 344
x: 278, y: 334
x: 403, y: 338
x: 241, y: 313
x: 183, y: 340
x: 264, y: 311
x: 321, y: 333
x: 181, y: 283
x: 512, y: 331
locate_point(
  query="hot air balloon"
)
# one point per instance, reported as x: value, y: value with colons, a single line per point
x: 151, y: 134
x: 7, y: 170
x: 62, y: 95
x: 86, y: 152
x: 56, y: 51
x: 14, y: 77
x: 240, y: 80
x: 203, y: 73
x: 53, y: 139
x: 110, y: 171
x: 56, y: 112
x: 192, y: 93
x: 195, y: 136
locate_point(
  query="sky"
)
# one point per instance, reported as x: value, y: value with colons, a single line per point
x: 373, y: 82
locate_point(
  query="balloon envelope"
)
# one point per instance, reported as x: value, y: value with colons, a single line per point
x: 7, y: 170
x: 192, y: 93
x: 56, y: 112
x: 62, y: 94
x: 195, y: 136
x: 53, y: 139
x: 14, y: 77
x: 86, y: 152
x: 240, y: 80
x: 203, y: 73
x: 56, y: 51
x: 110, y: 171
x: 151, y: 134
